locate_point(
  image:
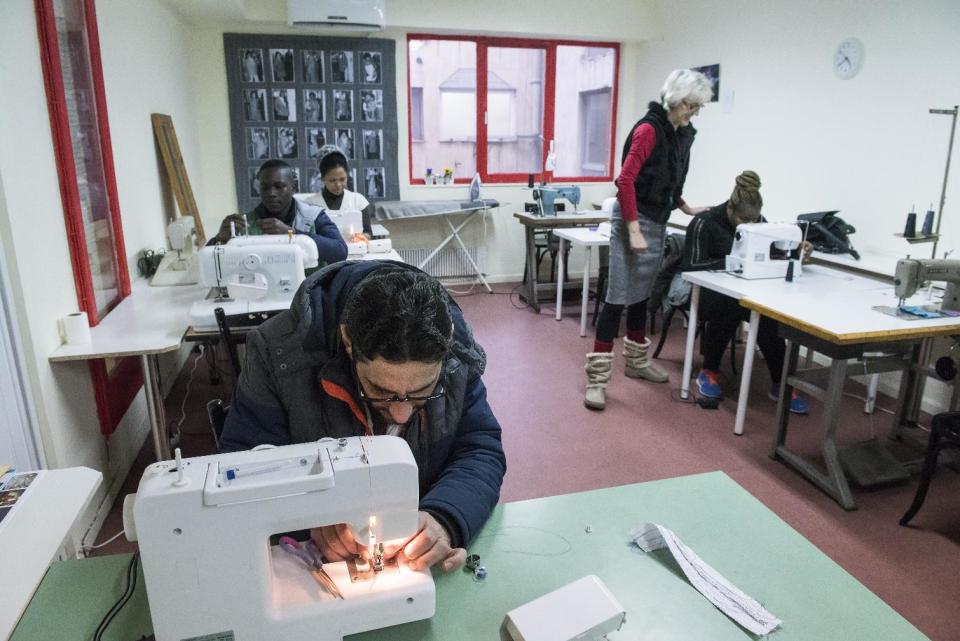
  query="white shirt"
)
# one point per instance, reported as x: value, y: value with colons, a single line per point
x: 351, y: 200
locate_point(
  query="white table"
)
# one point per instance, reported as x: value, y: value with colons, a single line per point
x: 841, y: 325
x: 808, y: 287
x: 149, y: 322
x: 588, y: 238
x: 33, y: 532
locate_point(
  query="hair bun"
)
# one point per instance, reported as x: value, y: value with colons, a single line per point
x: 748, y: 180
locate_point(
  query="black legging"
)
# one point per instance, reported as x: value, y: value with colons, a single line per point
x: 723, y: 314
x: 608, y: 325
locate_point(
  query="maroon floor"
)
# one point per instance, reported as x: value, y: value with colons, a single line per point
x: 554, y: 445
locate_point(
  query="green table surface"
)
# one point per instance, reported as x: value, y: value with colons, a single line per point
x: 532, y: 547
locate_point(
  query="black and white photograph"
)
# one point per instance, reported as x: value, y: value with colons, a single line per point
x: 296, y: 180
x: 313, y: 107
x: 374, y: 182
x: 373, y: 144
x: 313, y: 66
x: 345, y: 142
x: 281, y: 65
x: 371, y: 105
x: 251, y: 65
x: 713, y: 73
x: 314, y: 181
x: 316, y: 138
x: 258, y: 143
x: 20, y: 481
x: 352, y: 180
x: 255, y: 105
x: 9, y: 497
x: 343, y: 105
x: 287, y: 142
x: 371, y: 65
x: 341, y: 66
x: 284, y: 104
x: 253, y: 181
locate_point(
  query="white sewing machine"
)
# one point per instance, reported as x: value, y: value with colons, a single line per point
x: 203, y: 526
x: 179, y: 265
x: 259, y: 273
x: 350, y: 223
x: 765, y: 250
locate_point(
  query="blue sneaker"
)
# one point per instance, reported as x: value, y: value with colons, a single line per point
x: 708, y: 385
x: 798, y: 404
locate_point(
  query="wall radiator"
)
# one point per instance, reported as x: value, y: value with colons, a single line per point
x: 450, y: 262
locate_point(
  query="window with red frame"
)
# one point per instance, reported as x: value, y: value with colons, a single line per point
x: 493, y: 105
x: 76, y: 100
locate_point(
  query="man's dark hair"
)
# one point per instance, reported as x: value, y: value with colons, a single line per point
x: 273, y: 164
x: 332, y: 160
x: 399, y: 316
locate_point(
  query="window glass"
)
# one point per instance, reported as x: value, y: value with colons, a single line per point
x: 443, y: 78
x: 515, y: 78
x: 584, y: 110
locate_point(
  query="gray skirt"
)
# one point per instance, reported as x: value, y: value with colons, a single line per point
x: 631, y: 275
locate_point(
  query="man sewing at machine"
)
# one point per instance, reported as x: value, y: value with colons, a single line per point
x: 279, y: 213
x: 379, y: 347
x: 710, y: 237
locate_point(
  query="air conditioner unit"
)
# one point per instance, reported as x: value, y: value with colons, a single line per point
x: 346, y: 15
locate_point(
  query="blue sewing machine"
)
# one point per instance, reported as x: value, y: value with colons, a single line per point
x: 547, y: 197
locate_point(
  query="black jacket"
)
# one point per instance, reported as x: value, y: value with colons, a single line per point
x: 709, y: 240
x: 659, y: 185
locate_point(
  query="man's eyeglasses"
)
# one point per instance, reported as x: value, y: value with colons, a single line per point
x: 388, y: 400
x: 415, y: 400
x: 692, y: 106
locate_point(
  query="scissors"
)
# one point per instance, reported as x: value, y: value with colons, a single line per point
x: 310, y: 554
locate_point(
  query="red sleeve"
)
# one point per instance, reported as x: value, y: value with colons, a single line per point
x: 644, y: 140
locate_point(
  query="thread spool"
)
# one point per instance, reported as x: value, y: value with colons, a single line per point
x: 75, y: 329
x: 927, y: 229
x: 910, y: 229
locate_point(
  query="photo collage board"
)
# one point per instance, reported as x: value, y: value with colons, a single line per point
x: 291, y: 95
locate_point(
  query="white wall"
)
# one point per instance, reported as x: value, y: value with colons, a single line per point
x: 865, y: 146
x: 145, y: 60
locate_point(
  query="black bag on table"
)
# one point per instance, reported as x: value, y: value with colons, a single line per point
x: 828, y: 233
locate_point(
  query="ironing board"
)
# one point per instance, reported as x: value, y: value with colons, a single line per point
x: 400, y: 209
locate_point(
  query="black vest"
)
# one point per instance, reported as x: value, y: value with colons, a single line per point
x: 659, y: 184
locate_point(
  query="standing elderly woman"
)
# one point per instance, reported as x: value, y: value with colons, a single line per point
x: 650, y: 185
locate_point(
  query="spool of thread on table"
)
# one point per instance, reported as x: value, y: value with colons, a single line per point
x: 910, y: 229
x: 927, y: 229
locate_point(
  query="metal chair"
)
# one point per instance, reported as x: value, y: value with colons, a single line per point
x: 944, y: 434
x: 230, y: 339
x: 216, y: 409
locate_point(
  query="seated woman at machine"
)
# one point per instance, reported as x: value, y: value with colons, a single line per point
x: 709, y: 240
x: 335, y: 196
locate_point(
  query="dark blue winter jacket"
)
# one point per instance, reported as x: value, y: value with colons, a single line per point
x: 297, y: 386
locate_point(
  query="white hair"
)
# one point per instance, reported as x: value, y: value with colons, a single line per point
x: 685, y: 84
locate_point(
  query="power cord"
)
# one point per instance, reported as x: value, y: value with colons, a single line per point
x: 86, y: 549
x: 186, y: 394
x: 128, y: 591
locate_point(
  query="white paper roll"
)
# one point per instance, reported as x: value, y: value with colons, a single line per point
x: 76, y: 329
